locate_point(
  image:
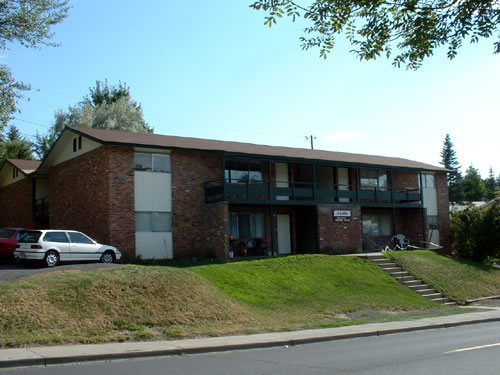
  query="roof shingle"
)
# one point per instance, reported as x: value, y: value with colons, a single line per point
x: 164, y: 141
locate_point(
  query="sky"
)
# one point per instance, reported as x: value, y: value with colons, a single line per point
x: 212, y: 69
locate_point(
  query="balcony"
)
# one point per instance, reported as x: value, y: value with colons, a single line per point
x: 301, y: 193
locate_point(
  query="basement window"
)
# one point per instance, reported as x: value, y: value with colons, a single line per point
x: 377, y: 225
x: 433, y: 222
x: 247, y: 225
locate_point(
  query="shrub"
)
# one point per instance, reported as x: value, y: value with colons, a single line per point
x: 476, y: 232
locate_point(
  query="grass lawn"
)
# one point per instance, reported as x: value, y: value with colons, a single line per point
x: 461, y: 279
x: 158, y: 302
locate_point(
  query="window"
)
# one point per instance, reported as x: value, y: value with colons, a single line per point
x: 428, y: 181
x: 153, y: 221
x: 6, y: 233
x: 377, y: 225
x: 433, y: 222
x: 373, y: 179
x: 55, y: 237
x: 247, y: 225
x: 79, y: 238
x: 80, y: 142
x: 152, y: 162
x: 15, y: 172
x: 30, y: 236
x: 242, y: 171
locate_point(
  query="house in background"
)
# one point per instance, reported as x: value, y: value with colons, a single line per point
x: 167, y: 197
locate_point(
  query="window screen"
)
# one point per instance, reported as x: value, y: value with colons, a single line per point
x: 153, y: 221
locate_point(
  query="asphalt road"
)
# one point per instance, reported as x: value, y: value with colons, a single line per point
x: 473, y: 349
x: 17, y: 271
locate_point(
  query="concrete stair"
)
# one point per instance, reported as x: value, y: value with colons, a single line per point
x: 405, y: 278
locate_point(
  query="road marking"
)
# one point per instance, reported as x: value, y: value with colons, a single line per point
x: 472, y: 348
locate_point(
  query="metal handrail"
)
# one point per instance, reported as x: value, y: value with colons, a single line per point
x: 420, y: 276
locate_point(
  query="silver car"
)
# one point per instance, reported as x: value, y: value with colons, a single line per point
x: 54, y: 246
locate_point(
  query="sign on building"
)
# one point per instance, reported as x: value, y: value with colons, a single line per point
x: 341, y: 215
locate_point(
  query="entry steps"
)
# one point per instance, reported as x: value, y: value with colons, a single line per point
x: 405, y: 278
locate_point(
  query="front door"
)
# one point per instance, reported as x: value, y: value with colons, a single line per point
x: 284, y: 238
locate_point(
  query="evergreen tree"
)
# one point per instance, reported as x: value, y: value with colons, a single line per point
x: 473, y: 185
x: 14, y: 146
x: 449, y: 160
x: 490, y: 185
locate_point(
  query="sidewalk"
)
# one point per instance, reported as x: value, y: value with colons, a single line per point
x: 49, y: 355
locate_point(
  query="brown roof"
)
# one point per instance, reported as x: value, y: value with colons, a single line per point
x: 26, y: 166
x: 160, y: 141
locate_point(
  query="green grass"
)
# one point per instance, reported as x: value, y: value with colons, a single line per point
x: 159, y: 302
x: 460, y: 278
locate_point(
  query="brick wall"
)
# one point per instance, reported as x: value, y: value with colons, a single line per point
x: 339, y: 237
x: 216, y: 230
x: 190, y: 170
x: 16, y: 205
x: 410, y: 222
x: 122, y: 199
x: 406, y: 179
x: 94, y: 193
x: 443, y: 211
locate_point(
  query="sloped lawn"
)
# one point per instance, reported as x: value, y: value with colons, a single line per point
x: 461, y: 279
x: 158, y: 302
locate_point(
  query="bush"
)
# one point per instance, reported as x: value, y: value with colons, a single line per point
x: 475, y: 232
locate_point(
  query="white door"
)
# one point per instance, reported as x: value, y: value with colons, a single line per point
x: 284, y: 238
x: 282, y: 179
x: 343, y: 181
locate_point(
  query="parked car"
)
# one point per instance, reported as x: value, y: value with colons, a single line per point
x: 54, y: 246
x: 8, y: 241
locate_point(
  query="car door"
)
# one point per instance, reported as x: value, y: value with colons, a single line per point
x: 57, y: 240
x: 83, y: 247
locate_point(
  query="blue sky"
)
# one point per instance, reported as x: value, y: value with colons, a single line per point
x: 211, y: 69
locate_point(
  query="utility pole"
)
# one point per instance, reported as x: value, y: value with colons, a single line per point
x: 312, y: 140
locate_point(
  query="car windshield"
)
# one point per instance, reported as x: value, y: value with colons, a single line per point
x: 6, y: 233
x: 30, y: 236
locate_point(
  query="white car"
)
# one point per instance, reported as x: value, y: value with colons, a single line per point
x: 54, y: 246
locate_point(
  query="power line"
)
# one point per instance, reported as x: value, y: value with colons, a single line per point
x: 33, y: 123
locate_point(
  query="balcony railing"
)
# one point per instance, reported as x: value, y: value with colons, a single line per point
x: 301, y: 192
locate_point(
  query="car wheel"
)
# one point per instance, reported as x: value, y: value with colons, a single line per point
x: 108, y: 257
x: 51, y: 258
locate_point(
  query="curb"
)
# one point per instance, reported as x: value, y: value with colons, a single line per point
x: 30, y: 357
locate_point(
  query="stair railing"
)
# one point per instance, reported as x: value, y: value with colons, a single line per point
x: 421, y: 276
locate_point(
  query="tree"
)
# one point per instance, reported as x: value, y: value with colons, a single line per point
x: 14, y: 146
x: 490, y: 185
x: 475, y: 232
x: 473, y: 185
x: 414, y: 27
x: 449, y: 160
x: 27, y: 22
x: 106, y: 107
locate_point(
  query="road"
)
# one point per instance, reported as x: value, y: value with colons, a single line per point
x: 472, y: 349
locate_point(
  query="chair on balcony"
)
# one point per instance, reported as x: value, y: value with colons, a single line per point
x: 401, y: 241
